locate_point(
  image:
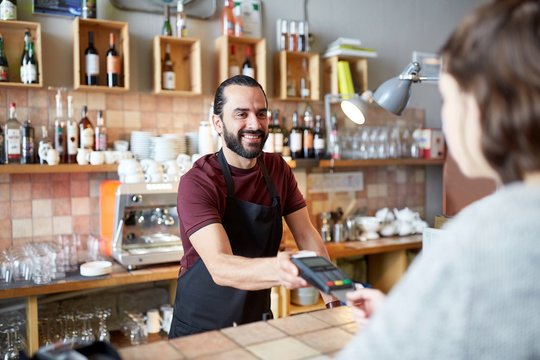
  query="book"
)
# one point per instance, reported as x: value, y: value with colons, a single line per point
x: 345, y: 83
x: 366, y: 53
x: 345, y: 41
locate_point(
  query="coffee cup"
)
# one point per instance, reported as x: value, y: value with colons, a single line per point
x: 132, y: 178
x: 167, y: 315
x: 129, y: 166
x: 153, y: 177
x: 110, y: 157
x: 153, y: 321
x: 97, y: 157
x: 121, y: 145
x: 82, y: 156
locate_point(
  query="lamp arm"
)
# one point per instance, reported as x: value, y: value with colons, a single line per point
x: 411, y: 72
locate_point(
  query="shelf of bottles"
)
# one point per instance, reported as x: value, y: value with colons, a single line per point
x: 60, y: 168
x: 13, y: 34
x: 232, y: 53
x: 112, y: 63
x: 359, y: 73
x: 179, y: 71
x: 297, y: 76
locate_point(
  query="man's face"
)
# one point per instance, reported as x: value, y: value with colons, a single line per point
x: 245, y: 120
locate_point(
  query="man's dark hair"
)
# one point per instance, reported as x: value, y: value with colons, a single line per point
x: 494, y: 55
x: 242, y: 80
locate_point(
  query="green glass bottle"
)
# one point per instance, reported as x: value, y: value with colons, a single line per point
x: 4, y: 74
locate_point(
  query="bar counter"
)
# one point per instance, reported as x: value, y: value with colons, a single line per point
x: 318, y: 335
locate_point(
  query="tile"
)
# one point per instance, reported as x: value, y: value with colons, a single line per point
x: 21, y: 191
x: 94, y: 186
x: 5, y: 229
x: 60, y: 177
x: 298, y: 324
x: 180, y: 104
x: 42, y: 208
x: 420, y: 176
x: 326, y: 340
x: 21, y: 228
x: 81, y: 224
x: 21, y: 209
x: 195, y: 106
x: 320, y: 357
x: 80, y: 206
x: 37, y: 98
x: 80, y: 98
x: 383, y: 190
x: 243, y: 334
x: 40, y: 177
x: 80, y: 188
x: 61, y: 206
x: 5, y: 178
x: 5, y: 194
x: 5, y: 243
x: 42, y: 226
x: 5, y: 209
x: 401, y: 176
x: 284, y: 349
x: 156, y: 350
x: 164, y: 104
x: 164, y: 121
x: 132, y: 119
x: 206, y: 343
x: 94, y: 206
x: 96, y: 101
x: 61, y: 189
x: 41, y: 190
x: 20, y: 178
x: 132, y: 102
x: 337, y: 316
x: 237, y: 354
x: 372, y: 190
x: 62, y: 225
x: 148, y: 102
x: 80, y: 176
x: 350, y: 327
x: 19, y: 97
x: 114, y: 119
x: 115, y: 102
x: 38, y: 117
x: 148, y: 121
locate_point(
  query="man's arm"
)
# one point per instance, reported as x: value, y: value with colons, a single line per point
x: 212, y: 244
x: 307, y: 238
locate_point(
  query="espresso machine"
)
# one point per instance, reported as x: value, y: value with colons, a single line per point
x: 139, y: 223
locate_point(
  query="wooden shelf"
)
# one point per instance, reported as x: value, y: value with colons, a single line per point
x: 101, y: 29
x: 292, y: 60
x: 359, y: 73
x: 299, y: 309
x: 223, y: 52
x: 186, y: 56
x: 13, y: 33
x: 60, y: 168
x: 378, y: 162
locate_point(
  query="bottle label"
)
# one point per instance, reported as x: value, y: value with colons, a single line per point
x: 24, y: 76
x: 27, y: 147
x: 59, y: 140
x: 31, y: 73
x: 113, y: 64
x: 234, y: 70
x: 304, y: 90
x: 3, y: 73
x: 308, y: 140
x: 169, y: 80
x: 248, y: 72
x: 87, y: 138
x: 8, y: 10
x: 278, y: 142
x: 13, y: 143
x: 269, y: 144
x: 72, y: 140
x: 319, y: 143
x: 295, y: 142
x: 101, y: 142
x: 92, y: 64
x: 181, y: 28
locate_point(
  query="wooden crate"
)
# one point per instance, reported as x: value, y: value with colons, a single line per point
x: 359, y: 73
x: 186, y: 56
x: 258, y: 56
x: 293, y: 59
x: 101, y: 29
x: 13, y: 33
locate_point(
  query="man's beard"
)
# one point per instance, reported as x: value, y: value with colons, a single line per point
x: 235, y: 142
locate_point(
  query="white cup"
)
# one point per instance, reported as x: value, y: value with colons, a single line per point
x: 129, y: 166
x: 82, y: 156
x: 97, y: 158
x: 167, y: 315
x: 121, y: 145
x: 153, y: 177
x: 119, y: 155
x: 110, y: 157
x: 53, y: 158
x: 153, y: 321
x: 132, y: 178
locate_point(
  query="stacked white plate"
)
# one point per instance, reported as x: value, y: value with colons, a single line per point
x: 192, y: 143
x: 163, y: 149
x: 179, y: 144
x: 140, y: 144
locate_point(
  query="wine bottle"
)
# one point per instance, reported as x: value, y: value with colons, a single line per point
x: 113, y: 63
x: 269, y: 143
x: 92, y: 61
x: 12, y: 132
x: 8, y: 10
x: 72, y: 139
x: 2, y: 145
x: 284, y: 36
x: 293, y: 36
x: 166, y: 30
x: 100, y: 133
x: 302, y: 45
x: 24, y: 58
x: 336, y: 148
x: 319, y: 139
x: 44, y: 140
x: 278, y: 133
x: 291, y: 82
x: 31, y: 65
x: 238, y: 21
x: 247, y: 68
x: 27, y: 143
x: 60, y: 131
x: 307, y: 139
x: 305, y: 83
x: 86, y: 131
x: 286, y: 149
x: 234, y: 67
x: 88, y: 9
x: 4, y: 73
x: 295, y: 138
x: 168, y: 77
x: 181, y: 20
x: 227, y: 19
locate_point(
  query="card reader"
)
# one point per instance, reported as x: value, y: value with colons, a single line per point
x: 323, y: 275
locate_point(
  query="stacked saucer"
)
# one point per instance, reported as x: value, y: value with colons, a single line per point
x: 140, y: 144
x: 163, y: 149
x: 192, y: 143
x: 179, y: 144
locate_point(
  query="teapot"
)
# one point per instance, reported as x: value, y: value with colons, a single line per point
x: 47, y: 153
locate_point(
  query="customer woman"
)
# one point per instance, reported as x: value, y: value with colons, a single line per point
x: 476, y: 295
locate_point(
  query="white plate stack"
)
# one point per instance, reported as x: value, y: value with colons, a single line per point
x: 179, y: 145
x: 140, y: 144
x: 192, y: 143
x: 163, y: 149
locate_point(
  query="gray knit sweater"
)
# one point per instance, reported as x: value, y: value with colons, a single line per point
x: 475, y: 295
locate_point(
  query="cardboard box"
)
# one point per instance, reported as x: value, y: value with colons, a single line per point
x: 432, y: 144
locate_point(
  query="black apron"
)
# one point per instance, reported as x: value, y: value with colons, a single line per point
x: 254, y: 231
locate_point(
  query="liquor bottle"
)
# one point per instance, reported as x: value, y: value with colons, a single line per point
x: 284, y: 36
x: 113, y: 63
x: 72, y: 139
x: 278, y: 133
x: 4, y: 73
x: 247, y: 68
x: 27, y: 143
x: 295, y: 138
x: 100, y: 133
x: 269, y: 145
x: 8, y: 10
x: 86, y: 131
x: 2, y: 145
x: 60, y: 131
x: 234, y: 67
x: 286, y: 149
x: 88, y: 9
x: 319, y: 140
x: 92, y: 61
x: 31, y: 65
x: 227, y: 19
x: 238, y: 21
x: 293, y: 36
x: 44, y: 140
x: 166, y: 30
x: 12, y: 132
x: 291, y: 82
x: 168, y: 77
x: 302, y: 46
x: 24, y: 58
x: 307, y: 140
x: 305, y: 83
x: 335, y: 152
x: 181, y: 20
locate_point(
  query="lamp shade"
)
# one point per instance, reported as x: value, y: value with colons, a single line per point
x: 393, y: 95
x: 356, y: 108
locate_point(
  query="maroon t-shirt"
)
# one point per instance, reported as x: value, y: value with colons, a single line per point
x: 202, y: 194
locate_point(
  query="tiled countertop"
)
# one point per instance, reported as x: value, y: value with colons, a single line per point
x: 315, y: 335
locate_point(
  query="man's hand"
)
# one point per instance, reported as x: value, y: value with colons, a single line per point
x: 364, y: 303
x: 288, y: 272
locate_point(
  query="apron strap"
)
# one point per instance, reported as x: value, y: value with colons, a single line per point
x: 226, y: 173
x: 269, y: 183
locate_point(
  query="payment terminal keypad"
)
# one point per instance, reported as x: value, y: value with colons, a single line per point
x: 322, y: 274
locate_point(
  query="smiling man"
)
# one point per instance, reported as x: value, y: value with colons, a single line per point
x: 231, y: 206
